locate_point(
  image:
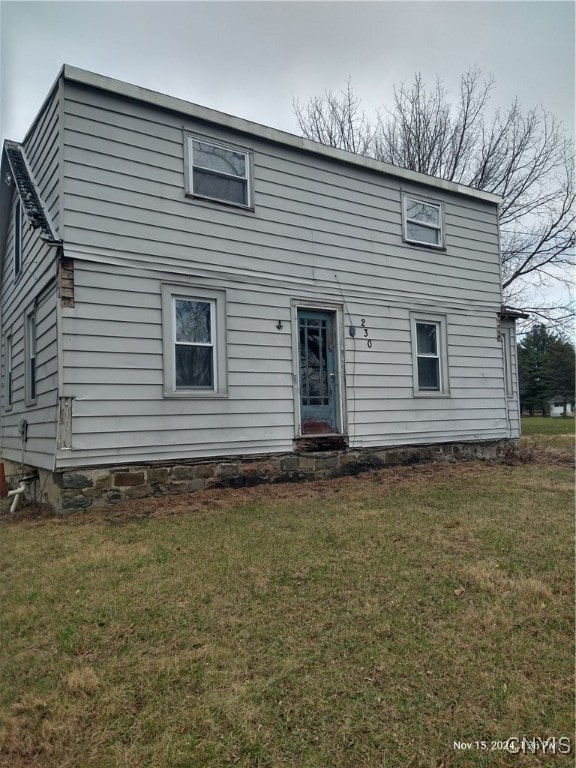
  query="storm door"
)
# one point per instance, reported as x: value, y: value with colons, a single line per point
x: 318, y: 380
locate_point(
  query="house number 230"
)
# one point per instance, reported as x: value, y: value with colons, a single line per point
x: 365, y: 333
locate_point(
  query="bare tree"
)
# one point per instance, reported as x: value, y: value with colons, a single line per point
x: 525, y: 157
x: 336, y: 119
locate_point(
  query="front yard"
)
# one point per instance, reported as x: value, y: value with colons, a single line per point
x: 350, y: 623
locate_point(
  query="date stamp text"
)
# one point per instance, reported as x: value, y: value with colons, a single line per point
x: 519, y: 745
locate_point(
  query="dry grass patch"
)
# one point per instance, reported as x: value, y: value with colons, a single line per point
x: 490, y: 577
x: 82, y: 680
x: 541, y: 449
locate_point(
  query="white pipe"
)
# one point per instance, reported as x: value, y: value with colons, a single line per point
x: 17, y: 492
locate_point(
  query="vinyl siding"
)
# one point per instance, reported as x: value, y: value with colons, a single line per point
x: 513, y: 399
x: 113, y: 368
x: 321, y: 231
x: 34, y: 285
x: 124, y: 192
x: 43, y: 148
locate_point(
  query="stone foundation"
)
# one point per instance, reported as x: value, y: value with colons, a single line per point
x: 90, y: 488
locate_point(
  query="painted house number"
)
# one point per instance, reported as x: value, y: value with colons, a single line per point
x: 365, y: 333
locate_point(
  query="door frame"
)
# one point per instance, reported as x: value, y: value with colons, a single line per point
x: 337, y: 310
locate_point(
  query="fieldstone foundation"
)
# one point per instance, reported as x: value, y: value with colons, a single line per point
x: 89, y: 488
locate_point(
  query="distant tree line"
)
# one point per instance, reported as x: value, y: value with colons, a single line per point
x: 546, y: 370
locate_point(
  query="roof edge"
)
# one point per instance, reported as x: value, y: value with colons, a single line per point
x: 47, y: 99
x: 175, y: 104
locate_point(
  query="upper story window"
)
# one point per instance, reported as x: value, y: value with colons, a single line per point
x: 423, y: 222
x: 17, y: 237
x: 219, y: 172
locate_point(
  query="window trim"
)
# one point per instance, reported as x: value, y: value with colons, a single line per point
x: 17, y: 245
x: 440, y: 245
x: 506, y: 337
x: 189, y: 165
x: 170, y: 293
x: 31, y: 356
x: 440, y: 322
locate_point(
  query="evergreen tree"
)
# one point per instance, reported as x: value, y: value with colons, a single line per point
x: 546, y: 369
x: 559, y: 371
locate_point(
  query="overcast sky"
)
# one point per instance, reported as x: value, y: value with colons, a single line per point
x: 252, y: 59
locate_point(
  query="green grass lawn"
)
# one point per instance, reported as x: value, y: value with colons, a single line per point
x: 351, y: 623
x: 540, y: 425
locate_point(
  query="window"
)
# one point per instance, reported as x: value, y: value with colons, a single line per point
x: 17, y: 238
x: 430, y: 359
x: 218, y: 172
x: 423, y: 222
x: 9, y: 373
x: 30, y: 357
x: 194, y: 342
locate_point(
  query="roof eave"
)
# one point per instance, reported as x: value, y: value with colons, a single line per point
x: 511, y: 313
x: 83, y: 77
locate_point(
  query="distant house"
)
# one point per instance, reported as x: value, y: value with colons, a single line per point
x: 559, y: 406
x: 189, y: 298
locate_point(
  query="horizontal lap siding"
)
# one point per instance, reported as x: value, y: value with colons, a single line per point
x: 124, y: 185
x: 34, y: 285
x: 113, y: 367
x: 320, y: 231
x: 41, y: 416
x: 513, y: 401
x: 114, y: 371
x: 382, y: 408
x: 44, y: 153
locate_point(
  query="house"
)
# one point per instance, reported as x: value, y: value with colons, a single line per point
x: 189, y: 298
x: 560, y: 406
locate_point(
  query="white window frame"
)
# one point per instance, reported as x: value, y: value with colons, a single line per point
x: 441, y: 355
x: 30, y: 355
x: 247, y: 178
x: 217, y: 301
x: 9, y: 393
x: 17, y: 238
x: 436, y: 228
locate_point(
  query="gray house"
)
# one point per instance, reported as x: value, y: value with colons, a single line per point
x: 189, y: 298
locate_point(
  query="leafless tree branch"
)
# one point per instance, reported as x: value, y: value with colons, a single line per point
x: 525, y: 157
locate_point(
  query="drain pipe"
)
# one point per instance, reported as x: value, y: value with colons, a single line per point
x: 17, y: 492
